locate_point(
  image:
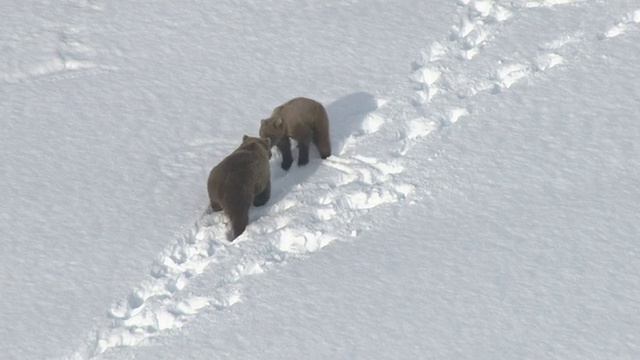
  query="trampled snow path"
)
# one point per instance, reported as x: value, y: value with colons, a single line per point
x: 448, y: 87
x: 317, y: 204
x: 307, y: 205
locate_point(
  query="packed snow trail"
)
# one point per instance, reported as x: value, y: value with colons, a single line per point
x: 453, y: 77
x: 310, y: 207
x: 315, y: 205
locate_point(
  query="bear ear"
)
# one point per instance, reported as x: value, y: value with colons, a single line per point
x: 278, y: 122
x: 263, y: 121
x: 245, y: 137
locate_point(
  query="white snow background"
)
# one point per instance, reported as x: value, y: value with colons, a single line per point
x: 482, y: 201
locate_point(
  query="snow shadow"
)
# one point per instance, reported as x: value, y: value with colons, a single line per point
x: 346, y: 117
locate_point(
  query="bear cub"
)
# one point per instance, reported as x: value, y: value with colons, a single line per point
x: 241, y: 179
x: 304, y: 120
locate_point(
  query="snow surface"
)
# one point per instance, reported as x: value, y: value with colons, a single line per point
x: 482, y: 201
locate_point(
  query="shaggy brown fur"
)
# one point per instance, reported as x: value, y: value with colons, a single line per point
x: 303, y: 120
x: 241, y: 179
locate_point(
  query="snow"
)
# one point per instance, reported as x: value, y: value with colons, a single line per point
x: 482, y: 199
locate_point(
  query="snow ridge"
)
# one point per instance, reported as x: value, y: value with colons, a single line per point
x: 317, y: 204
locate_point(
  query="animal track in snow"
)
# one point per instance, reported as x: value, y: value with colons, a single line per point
x: 476, y: 23
x: 622, y: 25
x: 549, y: 3
x: 51, y: 53
x: 91, y: 4
x: 425, y: 79
x: 547, y: 61
x: 510, y: 74
x: 506, y: 75
x: 412, y: 131
x: 290, y: 241
x: 371, y: 123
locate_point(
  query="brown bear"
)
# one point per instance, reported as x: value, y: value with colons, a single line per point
x: 303, y: 120
x: 241, y: 179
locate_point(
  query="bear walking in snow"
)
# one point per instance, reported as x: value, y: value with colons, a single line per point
x: 303, y: 120
x: 241, y: 179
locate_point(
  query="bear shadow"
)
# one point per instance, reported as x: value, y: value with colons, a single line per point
x: 346, y: 118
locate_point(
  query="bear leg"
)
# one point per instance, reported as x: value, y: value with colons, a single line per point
x: 303, y: 154
x: 324, y: 153
x: 321, y: 140
x: 284, y: 145
x: 264, y: 196
x: 239, y: 224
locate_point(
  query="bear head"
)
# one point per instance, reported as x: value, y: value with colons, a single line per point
x: 263, y: 143
x: 273, y: 129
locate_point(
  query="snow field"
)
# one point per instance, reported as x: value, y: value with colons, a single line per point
x: 313, y: 206
x: 455, y: 78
